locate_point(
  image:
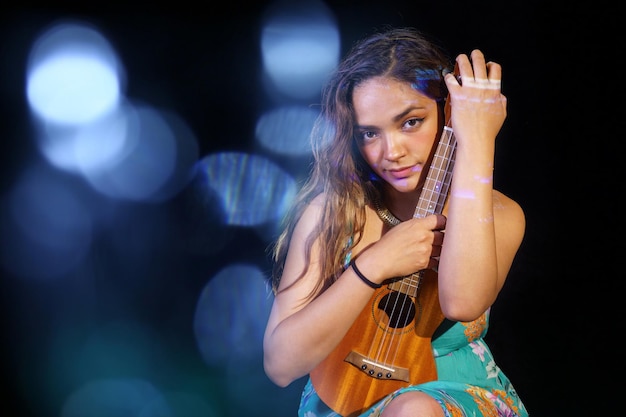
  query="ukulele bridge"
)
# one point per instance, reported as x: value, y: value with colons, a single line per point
x: 377, y: 370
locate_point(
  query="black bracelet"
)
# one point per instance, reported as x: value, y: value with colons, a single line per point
x: 360, y: 275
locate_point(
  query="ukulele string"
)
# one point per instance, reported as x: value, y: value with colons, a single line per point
x: 399, y: 308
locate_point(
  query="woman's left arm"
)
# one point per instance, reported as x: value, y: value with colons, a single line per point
x: 484, y: 227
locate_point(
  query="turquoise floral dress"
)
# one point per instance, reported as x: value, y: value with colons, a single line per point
x: 469, y: 381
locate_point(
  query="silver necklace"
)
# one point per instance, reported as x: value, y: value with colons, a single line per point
x: 384, y: 213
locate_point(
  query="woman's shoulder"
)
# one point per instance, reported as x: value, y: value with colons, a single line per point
x: 501, y: 200
x: 509, y: 211
x: 311, y: 214
x: 318, y: 200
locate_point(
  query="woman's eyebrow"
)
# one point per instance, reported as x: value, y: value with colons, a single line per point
x: 396, y: 118
x: 364, y: 127
x: 403, y: 114
x: 406, y: 111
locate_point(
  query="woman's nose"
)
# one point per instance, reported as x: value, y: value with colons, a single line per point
x: 394, y: 148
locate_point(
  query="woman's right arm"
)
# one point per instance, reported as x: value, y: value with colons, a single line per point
x: 299, y: 335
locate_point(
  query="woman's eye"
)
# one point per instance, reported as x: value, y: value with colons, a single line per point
x: 414, y: 122
x: 368, y: 135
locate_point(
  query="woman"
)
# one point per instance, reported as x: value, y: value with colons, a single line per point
x: 354, y: 231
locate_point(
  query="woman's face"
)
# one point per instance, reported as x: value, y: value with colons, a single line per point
x: 396, y: 127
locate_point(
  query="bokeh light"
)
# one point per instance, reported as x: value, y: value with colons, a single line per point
x: 253, y: 190
x: 74, y: 75
x: 300, y: 46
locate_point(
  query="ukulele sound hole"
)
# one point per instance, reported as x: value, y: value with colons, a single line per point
x: 399, y: 308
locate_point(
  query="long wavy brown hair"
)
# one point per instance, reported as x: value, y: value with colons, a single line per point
x: 339, y: 172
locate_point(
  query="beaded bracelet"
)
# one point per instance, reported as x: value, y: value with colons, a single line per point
x: 363, y: 278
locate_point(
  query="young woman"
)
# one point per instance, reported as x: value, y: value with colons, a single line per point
x: 353, y: 239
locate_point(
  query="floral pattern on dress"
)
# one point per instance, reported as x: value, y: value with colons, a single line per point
x: 493, y: 404
x: 474, y: 329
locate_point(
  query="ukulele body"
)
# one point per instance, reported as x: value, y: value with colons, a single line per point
x: 383, y: 350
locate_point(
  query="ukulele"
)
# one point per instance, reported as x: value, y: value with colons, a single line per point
x: 389, y: 345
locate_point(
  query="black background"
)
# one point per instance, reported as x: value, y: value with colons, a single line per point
x: 554, y: 328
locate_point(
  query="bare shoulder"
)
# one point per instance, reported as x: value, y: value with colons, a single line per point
x: 296, y: 263
x: 305, y: 225
x: 503, y: 202
x: 509, y: 215
x: 311, y: 215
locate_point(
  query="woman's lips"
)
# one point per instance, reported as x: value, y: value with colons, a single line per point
x: 402, y: 172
